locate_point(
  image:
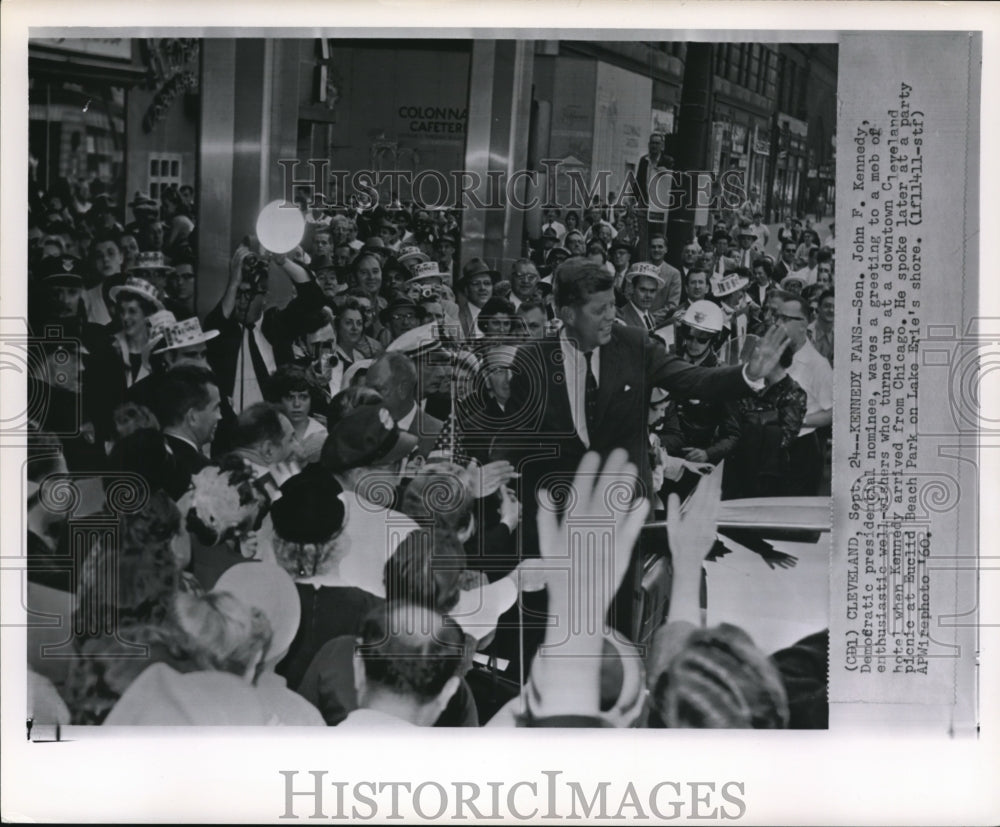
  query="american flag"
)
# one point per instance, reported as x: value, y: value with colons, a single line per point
x: 449, y: 445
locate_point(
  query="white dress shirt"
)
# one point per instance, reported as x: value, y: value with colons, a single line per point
x: 815, y: 376
x: 576, y: 381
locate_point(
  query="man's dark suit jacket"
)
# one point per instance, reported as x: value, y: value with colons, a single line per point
x: 632, y: 364
x: 780, y: 271
x: 542, y: 439
x: 188, y: 462
x: 280, y: 327
x: 642, y: 176
x: 630, y: 316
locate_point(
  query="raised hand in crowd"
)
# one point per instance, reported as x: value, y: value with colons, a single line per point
x: 585, y: 572
x: 692, y: 534
x: 485, y: 479
x: 767, y: 354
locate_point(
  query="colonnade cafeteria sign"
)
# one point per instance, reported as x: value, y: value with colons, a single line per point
x: 436, y: 120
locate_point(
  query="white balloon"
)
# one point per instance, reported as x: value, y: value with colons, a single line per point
x: 280, y: 227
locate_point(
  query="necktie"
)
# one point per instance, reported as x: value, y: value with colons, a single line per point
x: 648, y: 321
x: 259, y: 368
x: 590, y: 397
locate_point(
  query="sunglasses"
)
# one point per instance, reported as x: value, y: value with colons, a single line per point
x: 704, y: 339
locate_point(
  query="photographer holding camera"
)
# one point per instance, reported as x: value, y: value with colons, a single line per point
x: 253, y: 340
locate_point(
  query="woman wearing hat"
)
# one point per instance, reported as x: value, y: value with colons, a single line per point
x: 308, y: 521
x: 136, y: 300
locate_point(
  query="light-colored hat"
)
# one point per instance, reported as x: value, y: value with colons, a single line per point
x: 351, y: 372
x: 646, y: 271
x: 150, y: 260
x: 159, y: 322
x: 705, y: 316
x: 137, y: 287
x: 728, y: 284
x: 417, y: 342
x: 410, y: 252
x: 792, y: 277
x: 267, y: 587
x: 185, y: 333
x: 426, y: 270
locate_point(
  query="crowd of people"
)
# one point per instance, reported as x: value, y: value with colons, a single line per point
x: 345, y: 503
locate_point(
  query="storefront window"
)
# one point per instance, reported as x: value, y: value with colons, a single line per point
x: 76, y: 141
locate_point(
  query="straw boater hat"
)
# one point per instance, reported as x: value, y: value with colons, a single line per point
x: 185, y: 333
x: 728, y: 284
x: 426, y: 270
x: 645, y: 270
x: 152, y: 260
x: 411, y: 253
x: 137, y: 287
x: 158, y: 322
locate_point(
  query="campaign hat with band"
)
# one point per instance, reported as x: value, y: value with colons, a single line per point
x: 426, y: 270
x: 158, y: 322
x: 365, y: 436
x: 185, y: 333
x: 136, y: 287
x: 644, y: 269
x: 152, y: 260
x: 60, y: 271
x: 728, y: 284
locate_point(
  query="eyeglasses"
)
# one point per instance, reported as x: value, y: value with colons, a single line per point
x: 704, y: 339
x: 785, y: 318
x: 404, y: 317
